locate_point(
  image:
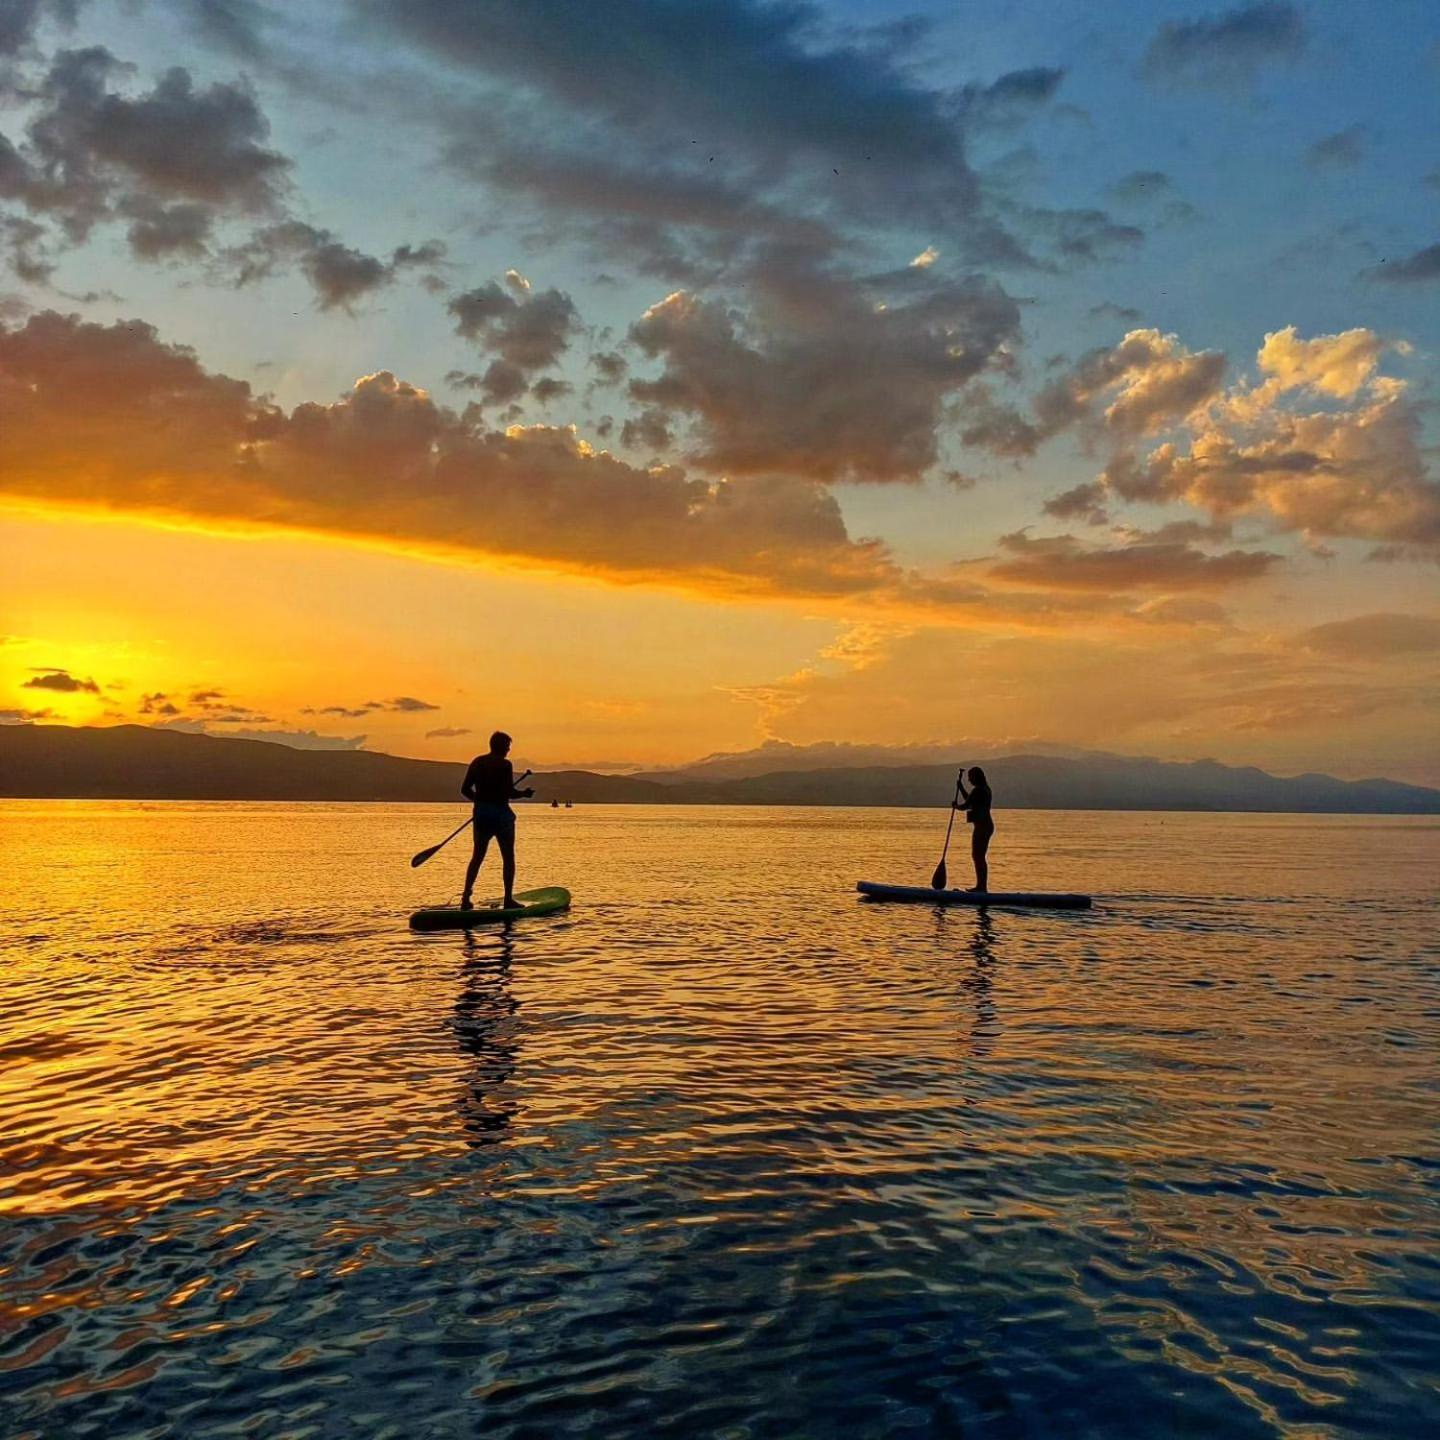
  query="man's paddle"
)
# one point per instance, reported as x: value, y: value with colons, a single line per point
x: 417, y: 860
x: 937, y: 881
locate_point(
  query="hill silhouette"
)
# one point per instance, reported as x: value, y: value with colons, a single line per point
x: 134, y: 762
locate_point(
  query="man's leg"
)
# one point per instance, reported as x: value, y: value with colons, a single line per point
x: 507, y: 857
x: 477, y: 857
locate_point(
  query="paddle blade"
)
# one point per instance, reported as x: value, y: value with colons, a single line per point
x: 417, y: 860
x: 937, y: 880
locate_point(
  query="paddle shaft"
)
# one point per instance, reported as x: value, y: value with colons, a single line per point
x: 937, y: 881
x: 424, y: 855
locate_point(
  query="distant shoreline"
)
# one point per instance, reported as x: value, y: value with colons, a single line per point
x: 522, y: 806
x: 137, y: 763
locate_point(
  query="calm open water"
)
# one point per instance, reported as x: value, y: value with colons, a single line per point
x: 724, y: 1151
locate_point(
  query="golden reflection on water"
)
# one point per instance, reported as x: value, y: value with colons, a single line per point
x: 1183, y: 1142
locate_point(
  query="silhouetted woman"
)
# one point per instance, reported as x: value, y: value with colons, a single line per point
x: 975, y: 802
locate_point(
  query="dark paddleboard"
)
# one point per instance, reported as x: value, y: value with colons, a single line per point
x: 491, y: 912
x: 924, y: 895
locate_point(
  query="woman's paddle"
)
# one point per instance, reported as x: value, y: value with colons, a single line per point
x: 937, y: 881
x: 417, y: 860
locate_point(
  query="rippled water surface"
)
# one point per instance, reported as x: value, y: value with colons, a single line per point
x: 724, y: 1150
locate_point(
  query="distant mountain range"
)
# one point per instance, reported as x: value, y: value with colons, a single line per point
x: 134, y: 762
x: 779, y: 756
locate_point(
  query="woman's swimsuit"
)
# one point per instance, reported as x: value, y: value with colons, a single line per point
x: 977, y: 810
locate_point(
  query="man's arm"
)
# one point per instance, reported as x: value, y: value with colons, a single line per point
x: 467, y: 786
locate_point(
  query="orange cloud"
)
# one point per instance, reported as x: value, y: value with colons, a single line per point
x: 1323, y: 445
x: 113, y: 418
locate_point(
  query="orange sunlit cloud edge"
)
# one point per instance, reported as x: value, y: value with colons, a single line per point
x: 160, y: 437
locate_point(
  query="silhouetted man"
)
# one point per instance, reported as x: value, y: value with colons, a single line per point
x: 490, y: 787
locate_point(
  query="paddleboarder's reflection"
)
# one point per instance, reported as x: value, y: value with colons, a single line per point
x: 487, y: 1026
x: 979, y: 981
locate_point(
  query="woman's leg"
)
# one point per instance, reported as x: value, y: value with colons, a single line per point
x: 477, y: 857
x: 979, y: 845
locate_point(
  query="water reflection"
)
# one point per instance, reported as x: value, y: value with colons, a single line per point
x: 980, y: 982
x: 486, y: 1025
x: 720, y: 1152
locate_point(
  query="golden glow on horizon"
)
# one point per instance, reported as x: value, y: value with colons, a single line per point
x: 585, y: 670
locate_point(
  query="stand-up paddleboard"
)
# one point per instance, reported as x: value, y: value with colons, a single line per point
x: 528, y: 903
x: 924, y: 895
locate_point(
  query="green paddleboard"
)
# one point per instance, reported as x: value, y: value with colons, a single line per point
x: 491, y: 912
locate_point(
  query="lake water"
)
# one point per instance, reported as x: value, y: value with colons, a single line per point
x: 723, y: 1151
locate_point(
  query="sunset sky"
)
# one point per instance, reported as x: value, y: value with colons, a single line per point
x: 659, y: 378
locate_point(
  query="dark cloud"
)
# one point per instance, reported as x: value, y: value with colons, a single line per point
x: 649, y: 430
x: 1000, y: 429
x: 158, y: 703
x: 529, y: 330
x: 1109, y: 310
x: 447, y: 732
x: 24, y: 717
x: 60, y: 680
x: 1375, y: 637
x: 159, y: 231
x: 1417, y: 269
x: 1011, y: 99
x: 1060, y: 239
x: 502, y: 382
x: 1063, y: 562
x: 1091, y: 236
x: 89, y: 145
x: 548, y: 388
x: 820, y: 377
x: 1081, y: 502
x: 753, y: 85
x: 680, y: 142
x: 25, y: 247
x: 610, y: 367
x: 1229, y: 48
x: 1343, y: 150
x: 339, y: 275
x: 234, y: 26
x: 19, y: 20
x: 1182, y: 532
x: 401, y: 704
x: 172, y: 163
